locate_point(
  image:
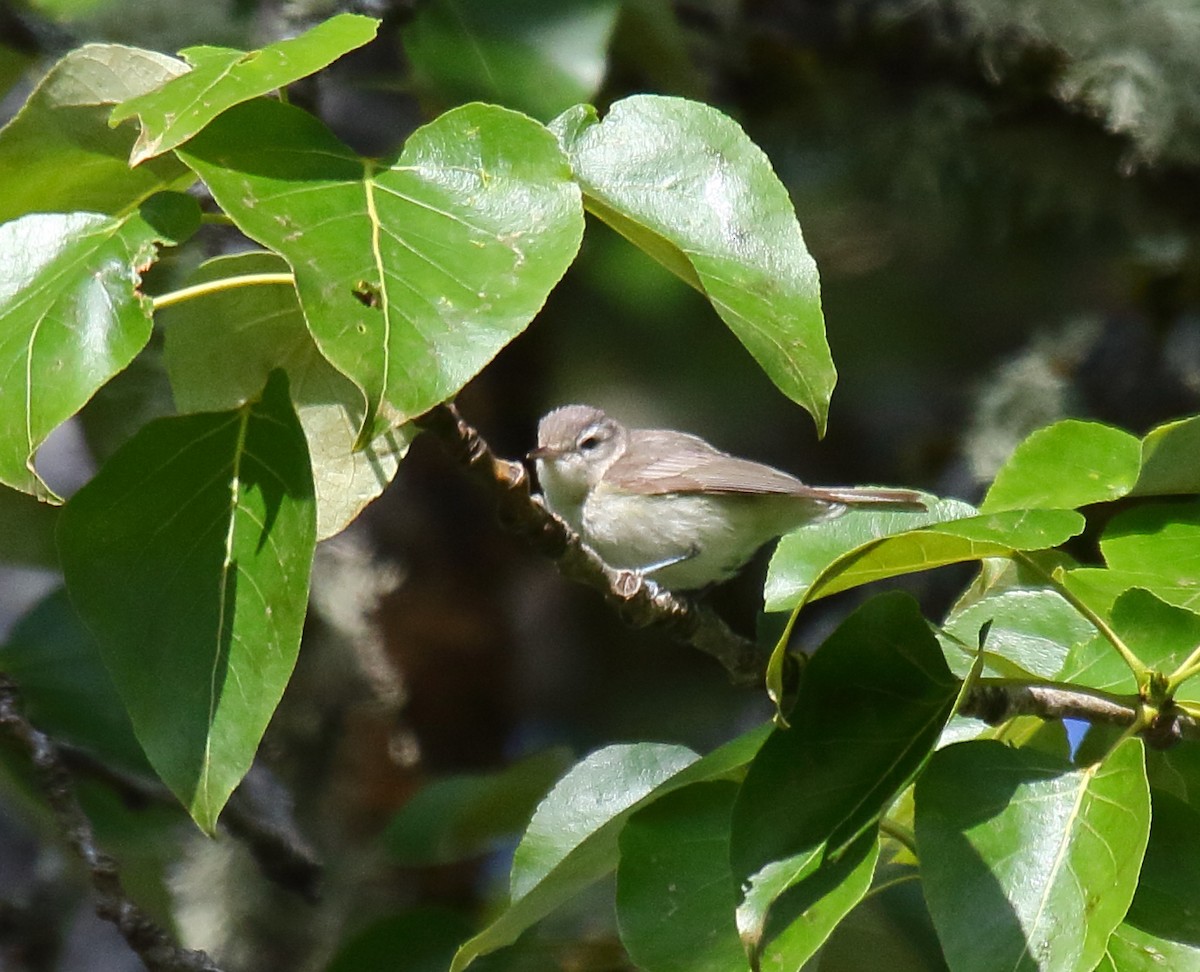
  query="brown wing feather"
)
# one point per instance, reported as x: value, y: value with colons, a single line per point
x: 662, y: 461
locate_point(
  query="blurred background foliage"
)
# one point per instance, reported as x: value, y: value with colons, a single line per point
x: 1003, y: 199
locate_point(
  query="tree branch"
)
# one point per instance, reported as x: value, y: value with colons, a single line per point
x: 639, y: 603
x: 151, y: 943
x: 997, y: 700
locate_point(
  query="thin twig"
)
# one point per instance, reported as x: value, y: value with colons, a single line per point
x: 999, y: 699
x: 151, y: 943
x: 640, y: 604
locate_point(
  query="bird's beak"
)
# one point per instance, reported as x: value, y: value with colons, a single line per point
x: 541, y: 452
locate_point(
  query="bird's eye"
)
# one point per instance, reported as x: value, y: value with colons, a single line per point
x: 589, y: 442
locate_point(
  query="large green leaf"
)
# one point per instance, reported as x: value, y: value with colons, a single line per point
x: 27, y: 530
x: 65, y: 688
x: 465, y: 816
x: 572, y: 839
x: 188, y: 555
x: 1169, y: 459
x: 1029, y: 862
x: 221, y: 78
x: 872, y: 703
x: 72, y: 318
x: 538, y: 56
x: 221, y: 346
x: 412, y: 272
x: 805, y: 554
x: 1066, y: 465
x: 800, y: 576
x: 675, y: 892
x: 683, y: 182
x: 1132, y: 950
x: 59, y: 155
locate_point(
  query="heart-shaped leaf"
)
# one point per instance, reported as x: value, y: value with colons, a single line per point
x: 188, y: 556
x: 424, y: 266
x: 684, y: 183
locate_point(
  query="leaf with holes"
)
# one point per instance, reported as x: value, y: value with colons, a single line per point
x: 188, y: 557
x: 413, y: 273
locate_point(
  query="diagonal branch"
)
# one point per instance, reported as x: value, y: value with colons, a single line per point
x: 639, y: 604
x: 151, y: 943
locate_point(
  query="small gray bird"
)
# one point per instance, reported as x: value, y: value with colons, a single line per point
x: 669, y: 505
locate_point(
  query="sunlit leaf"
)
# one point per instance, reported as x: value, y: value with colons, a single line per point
x: 684, y: 183
x: 1169, y: 459
x: 59, y: 155
x: 1064, y: 466
x: 188, y: 556
x: 221, y: 78
x: 425, y: 266
x: 1029, y: 862
x: 73, y: 317
x: 221, y: 346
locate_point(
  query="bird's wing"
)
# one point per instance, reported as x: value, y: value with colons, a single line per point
x: 661, y: 461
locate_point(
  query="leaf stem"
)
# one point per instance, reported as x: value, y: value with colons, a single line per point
x: 1189, y: 667
x: 173, y: 297
x: 898, y: 832
x: 1136, y: 665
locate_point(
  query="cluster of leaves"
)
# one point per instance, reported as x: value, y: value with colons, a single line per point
x: 382, y: 288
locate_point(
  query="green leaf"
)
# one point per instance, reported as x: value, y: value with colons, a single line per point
x: 27, y: 530
x: 65, y: 688
x: 1033, y: 629
x: 1169, y: 459
x: 1064, y: 466
x: 221, y: 346
x: 464, y: 816
x: 683, y: 182
x: 420, y: 940
x: 1029, y: 862
x: 1132, y: 950
x: 73, y: 317
x: 1157, y: 547
x: 432, y: 263
x: 803, y: 555
x: 675, y: 892
x: 59, y: 155
x: 802, y: 577
x: 1164, y: 904
x: 188, y: 556
x: 805, y: 898
x: 221, y: 78
x: 538, y: 56
x: 572, y: 839
x: 872, y: 703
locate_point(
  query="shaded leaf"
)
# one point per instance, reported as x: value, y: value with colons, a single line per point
x: 683, y: 182
x: 219, y: 349
x: 1029, y: 862
x: 221, y: 78
x: 1064, y: 466
x: 675, y: 891
x: 188, y: 556
x: 872, y: 703
x: 65, y: 688
x: 572, y: 839
x: 1164, y: 904
x: 538, y: 56
x: 431, y: 263
x: 59, y: 155
x: 464, y: 816
x: 27, y: 530
x: 73, y: 317
x: 421, y: 940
